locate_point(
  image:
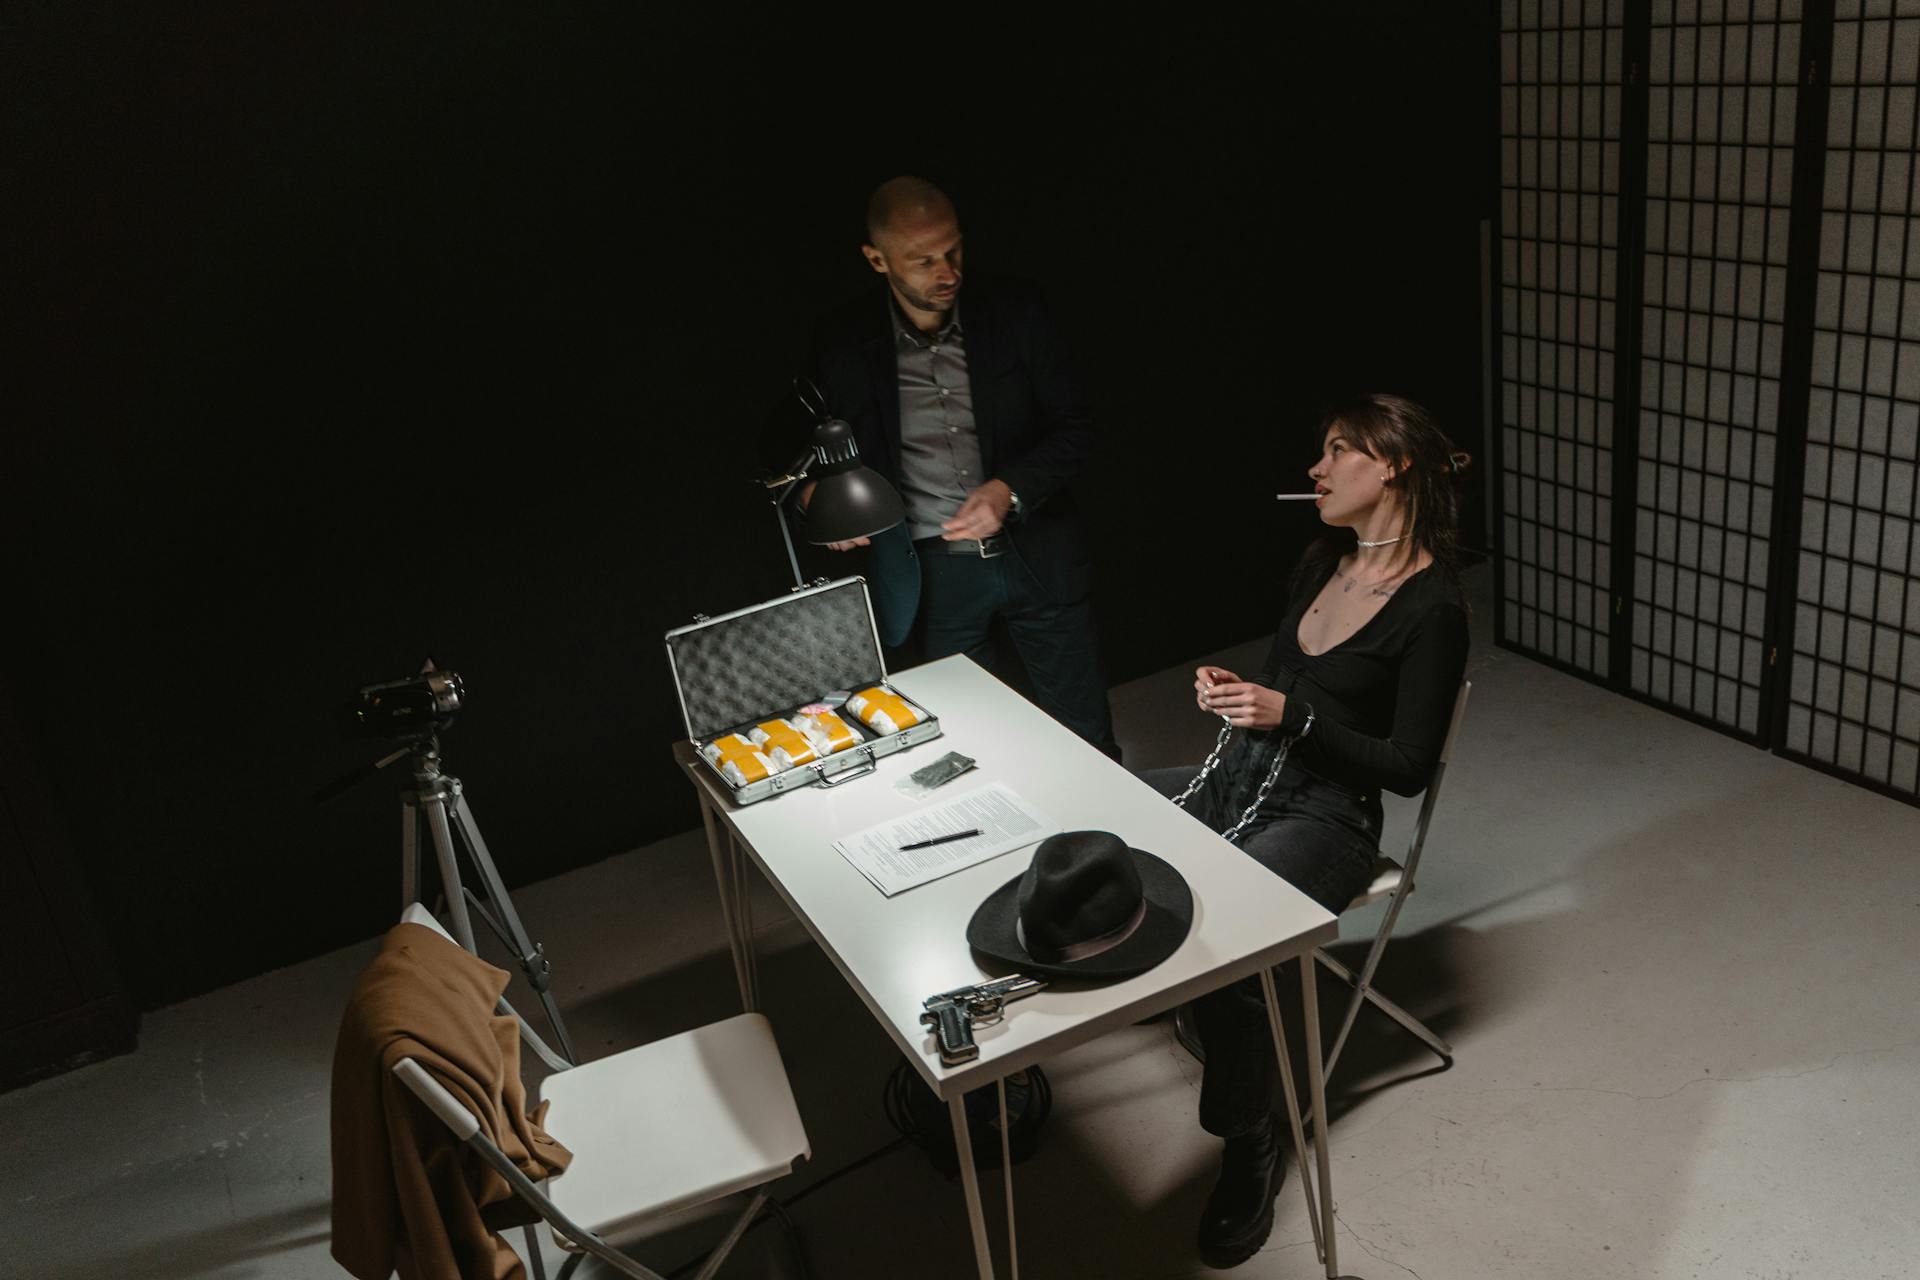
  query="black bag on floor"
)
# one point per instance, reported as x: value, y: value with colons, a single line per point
x: 922, y: 1118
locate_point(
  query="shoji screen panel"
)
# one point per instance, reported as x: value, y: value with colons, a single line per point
x: 1560, y: 113
x: 1854, y: 690
x: 1721, y: 108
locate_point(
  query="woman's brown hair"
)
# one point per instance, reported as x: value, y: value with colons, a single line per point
x: 1404, y: 436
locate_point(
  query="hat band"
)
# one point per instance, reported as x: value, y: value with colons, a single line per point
x: 1075, y: 951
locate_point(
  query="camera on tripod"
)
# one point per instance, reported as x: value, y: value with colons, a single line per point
x: 407, y: 710
x: 409, y: 714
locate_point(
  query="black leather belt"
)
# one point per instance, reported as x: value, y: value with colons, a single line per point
x: 986, y: 548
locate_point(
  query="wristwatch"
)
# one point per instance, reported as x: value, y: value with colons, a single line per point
x: 1013, y: 504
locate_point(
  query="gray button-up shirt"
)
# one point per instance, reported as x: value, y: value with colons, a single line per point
x: 939, y: 447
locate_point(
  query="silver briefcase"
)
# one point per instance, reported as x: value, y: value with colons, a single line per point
x: 764, y: 662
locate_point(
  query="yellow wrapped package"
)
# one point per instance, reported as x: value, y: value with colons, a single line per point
x: 828, y: 732
x: 784, y: 743
x: 738, y: 760
x: 881, y: 711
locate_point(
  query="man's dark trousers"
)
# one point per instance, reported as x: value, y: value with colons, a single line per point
x: 960, y: 596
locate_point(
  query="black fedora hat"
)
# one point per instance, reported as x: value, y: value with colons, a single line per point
x: 1087, y: 907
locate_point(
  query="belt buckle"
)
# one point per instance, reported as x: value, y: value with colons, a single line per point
x: 993, y: 545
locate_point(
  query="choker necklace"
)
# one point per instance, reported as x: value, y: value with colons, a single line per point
x: 1384, y: 542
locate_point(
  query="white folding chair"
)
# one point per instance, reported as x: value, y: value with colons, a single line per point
x: 1391, y: 880
x: 1394, y: 881
x: 654, y: 1130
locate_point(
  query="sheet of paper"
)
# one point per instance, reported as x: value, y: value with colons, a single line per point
x: 1004, y: 820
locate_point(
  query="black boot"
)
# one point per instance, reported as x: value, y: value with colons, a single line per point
x: 1239, y: 1213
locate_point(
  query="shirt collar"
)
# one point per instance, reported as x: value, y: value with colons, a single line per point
x: 906, y: 333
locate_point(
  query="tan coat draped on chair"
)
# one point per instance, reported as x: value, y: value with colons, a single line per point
x: 407, y: 1195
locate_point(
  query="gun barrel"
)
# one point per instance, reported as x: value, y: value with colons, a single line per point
x: 997, y: 989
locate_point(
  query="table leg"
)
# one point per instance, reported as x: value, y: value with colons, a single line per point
x: 743, y: 911
x: 970, y: 1184
x: 1006, y: 1177
x: 723, y: 878
x: 1293, y: 1106
x: 1317, y: 1091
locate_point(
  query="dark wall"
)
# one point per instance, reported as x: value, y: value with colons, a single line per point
x: 348, y: 338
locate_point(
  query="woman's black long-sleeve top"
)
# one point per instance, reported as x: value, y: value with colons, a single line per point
x: 1382, y: 698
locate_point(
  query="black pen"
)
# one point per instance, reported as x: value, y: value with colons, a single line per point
x: 928, y: 844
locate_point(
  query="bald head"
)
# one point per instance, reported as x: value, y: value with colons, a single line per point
x: 914, y: 241
x: 903, y: 203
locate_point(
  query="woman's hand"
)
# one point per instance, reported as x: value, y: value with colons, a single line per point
x: 1246, y: 705
x: 1205, y: 681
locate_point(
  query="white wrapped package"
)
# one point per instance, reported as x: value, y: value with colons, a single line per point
x: 784, y: 743
x: 882, y: 711
x: 738, y: 760
x: 827, y: 731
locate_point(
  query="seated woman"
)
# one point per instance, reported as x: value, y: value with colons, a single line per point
x: 1362, y: 677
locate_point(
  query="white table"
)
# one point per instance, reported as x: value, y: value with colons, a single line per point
x: 897, y: 951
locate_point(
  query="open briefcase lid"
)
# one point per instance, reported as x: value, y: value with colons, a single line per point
x: 759, y: 661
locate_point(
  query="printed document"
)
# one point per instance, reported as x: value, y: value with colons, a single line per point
x: 1004, y: 820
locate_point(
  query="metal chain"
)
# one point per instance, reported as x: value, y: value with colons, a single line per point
x: 1233, y: 833
x: 1213, y: 758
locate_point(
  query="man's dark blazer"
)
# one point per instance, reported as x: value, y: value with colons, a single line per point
x: 1034, y: 423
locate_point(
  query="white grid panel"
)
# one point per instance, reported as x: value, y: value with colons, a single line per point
x: 1560, y: 102
x: 1854, y: 692
x: 1722, y: 97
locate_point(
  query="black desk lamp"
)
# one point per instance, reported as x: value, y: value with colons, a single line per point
x: 849, y: 500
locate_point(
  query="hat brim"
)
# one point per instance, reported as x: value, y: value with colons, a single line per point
x: 1168, y: 919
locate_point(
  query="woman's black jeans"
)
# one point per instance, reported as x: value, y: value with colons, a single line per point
x: 1320, y: 838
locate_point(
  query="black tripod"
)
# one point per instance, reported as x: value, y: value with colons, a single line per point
x: 434, y: 805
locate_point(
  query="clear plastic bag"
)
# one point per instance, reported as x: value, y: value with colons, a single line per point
x: 927, y: 779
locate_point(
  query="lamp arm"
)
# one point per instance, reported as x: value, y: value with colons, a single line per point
x: 796, y: 474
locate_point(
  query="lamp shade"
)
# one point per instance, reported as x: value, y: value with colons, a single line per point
x: 849, y: 500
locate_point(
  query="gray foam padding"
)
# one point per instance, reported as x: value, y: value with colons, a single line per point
x: 782, y: 655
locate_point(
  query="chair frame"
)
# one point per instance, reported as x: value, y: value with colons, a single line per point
x: 1395, y: 881
x: 570, y: 1235
x: 1391, y: 880
x: 467, y: 1129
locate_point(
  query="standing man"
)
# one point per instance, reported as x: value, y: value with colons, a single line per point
x: 970, y: 409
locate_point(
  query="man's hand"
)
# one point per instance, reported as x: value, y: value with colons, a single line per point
x: 982, y: 515
x: 806, y: 496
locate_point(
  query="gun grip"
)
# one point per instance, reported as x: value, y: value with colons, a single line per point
x: 955, y: 1034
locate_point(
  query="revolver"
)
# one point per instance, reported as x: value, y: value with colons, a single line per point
x: 954, y: 1014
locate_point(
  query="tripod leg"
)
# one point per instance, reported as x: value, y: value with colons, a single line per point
x: 533, y: 961
x: 409, y: 854
x: 436, y: 811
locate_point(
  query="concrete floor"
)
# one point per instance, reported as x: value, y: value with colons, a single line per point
x: 1680, y: 975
